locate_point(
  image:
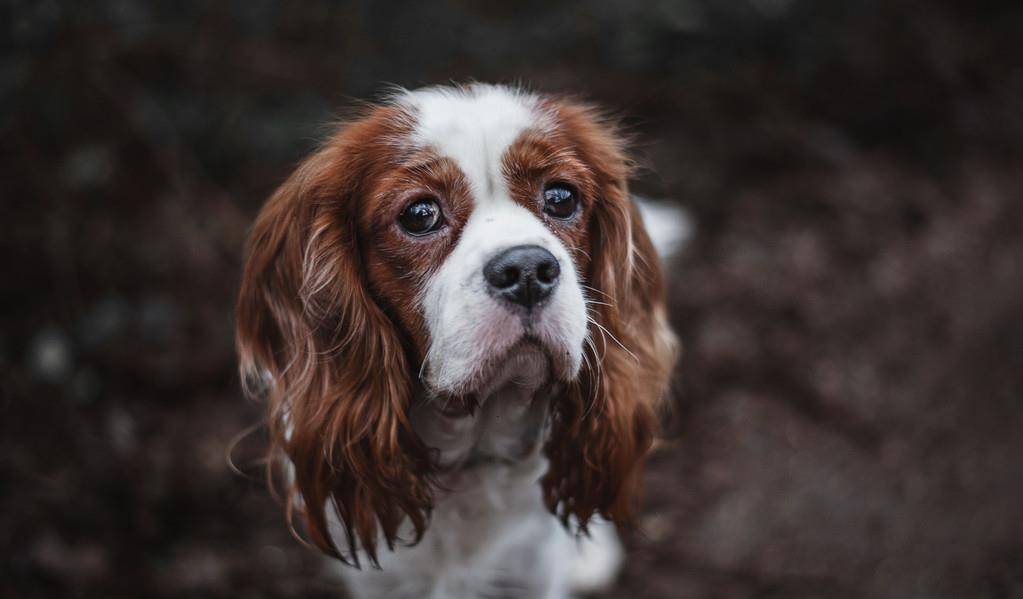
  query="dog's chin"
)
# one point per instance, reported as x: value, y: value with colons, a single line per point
x: 527, y: 365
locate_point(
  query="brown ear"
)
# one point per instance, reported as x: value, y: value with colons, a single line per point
x: 605, y: 426
x: 329, y: 360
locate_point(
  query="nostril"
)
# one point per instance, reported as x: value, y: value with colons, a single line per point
x: 547, y: 272
x: 509, y: 276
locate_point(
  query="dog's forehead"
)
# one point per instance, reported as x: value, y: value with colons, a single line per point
x: 474, y: 127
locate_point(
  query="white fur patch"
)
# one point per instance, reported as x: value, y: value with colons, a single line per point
x: 473, y: 126
x: 597, y: 558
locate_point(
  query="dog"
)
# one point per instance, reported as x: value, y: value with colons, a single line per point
x: 456, y: 317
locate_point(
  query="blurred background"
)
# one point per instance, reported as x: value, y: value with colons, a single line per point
x: 848, y: 418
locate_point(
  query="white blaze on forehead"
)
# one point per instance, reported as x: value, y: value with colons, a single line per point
x: 474, y: 126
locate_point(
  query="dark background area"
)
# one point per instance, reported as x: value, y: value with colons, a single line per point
x: 848, y: 418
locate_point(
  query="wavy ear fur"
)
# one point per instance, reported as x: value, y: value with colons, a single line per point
x: 604, y: 427
x: 330, y: 362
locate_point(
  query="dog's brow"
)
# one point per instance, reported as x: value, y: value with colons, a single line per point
x: 422, y: 160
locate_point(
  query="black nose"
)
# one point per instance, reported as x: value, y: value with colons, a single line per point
x: 524, y: 275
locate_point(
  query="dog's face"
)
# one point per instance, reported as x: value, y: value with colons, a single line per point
x: 421, y: 249
x: 483, y: 227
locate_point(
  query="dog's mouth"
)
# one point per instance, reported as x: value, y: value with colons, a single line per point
x: 527, y: 364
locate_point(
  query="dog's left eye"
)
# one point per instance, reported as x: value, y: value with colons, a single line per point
x: 560, y: 201
x: 421, y: 217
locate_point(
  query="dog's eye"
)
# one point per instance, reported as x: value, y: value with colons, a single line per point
x: 559, y: 201
x: 421, y: 217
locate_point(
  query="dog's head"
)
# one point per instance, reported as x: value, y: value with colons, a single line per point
x: 417, y: 251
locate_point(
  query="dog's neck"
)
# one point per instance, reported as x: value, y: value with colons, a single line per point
x: 504, y: 423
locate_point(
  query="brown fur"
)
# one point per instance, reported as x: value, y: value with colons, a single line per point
x: 341, y: 388
x: 605, y: 425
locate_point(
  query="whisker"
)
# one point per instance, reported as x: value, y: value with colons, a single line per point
x: 422, y: 367
x: 594, y: 323
x: 595, y: 290
x: 581, y: 251
x: 596, y: 366
x: 615, y: 339
x: 595, y: 395
x: 586, y: 363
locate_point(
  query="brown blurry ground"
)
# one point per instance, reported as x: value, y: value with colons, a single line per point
x: 848, y: 415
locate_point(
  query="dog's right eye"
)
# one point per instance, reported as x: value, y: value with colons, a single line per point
x: 421, y: 217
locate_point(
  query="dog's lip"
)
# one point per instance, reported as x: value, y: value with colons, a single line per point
x: 499, y: 367
x: 456, y: 406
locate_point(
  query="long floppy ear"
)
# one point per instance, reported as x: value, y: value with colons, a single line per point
x: 329, y: 360
x: 605, y: 426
